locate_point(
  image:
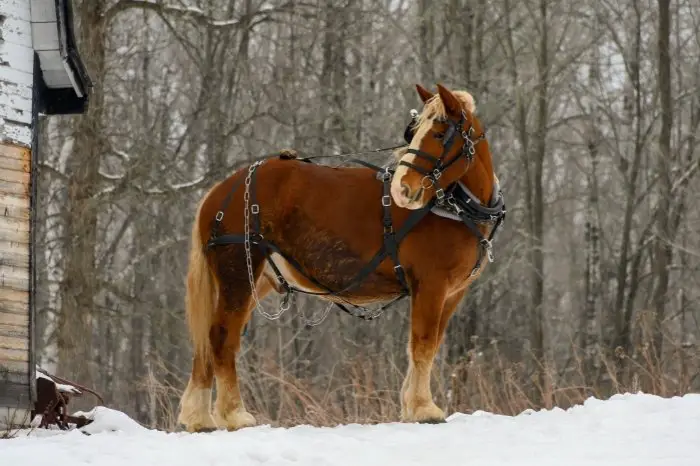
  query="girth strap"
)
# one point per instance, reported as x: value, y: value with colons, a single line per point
x: 363, y: 273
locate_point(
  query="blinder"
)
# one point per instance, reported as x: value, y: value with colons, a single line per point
x: 410, y: 131
x: 432, y: 176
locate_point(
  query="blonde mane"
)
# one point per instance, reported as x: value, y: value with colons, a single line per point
x: 434, y: 108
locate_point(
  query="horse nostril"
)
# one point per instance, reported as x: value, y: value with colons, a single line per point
x: 405, y: 190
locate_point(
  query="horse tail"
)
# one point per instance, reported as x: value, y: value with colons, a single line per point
x: 201, y: 296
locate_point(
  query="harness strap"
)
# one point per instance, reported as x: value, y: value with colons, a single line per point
x: 227, y: 200
x: 388, y: 248
x: 392, y: 246
x: 364, y: 272
x: 259, y: 239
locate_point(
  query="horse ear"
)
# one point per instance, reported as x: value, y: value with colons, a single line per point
x: 424, y: 94
x: 452, y: 104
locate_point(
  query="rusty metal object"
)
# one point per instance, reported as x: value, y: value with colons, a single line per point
x: 53, y: 395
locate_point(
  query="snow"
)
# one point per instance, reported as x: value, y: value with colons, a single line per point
x: 639, y: 430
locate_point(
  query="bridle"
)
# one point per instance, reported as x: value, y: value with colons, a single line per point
x: 431, y: 177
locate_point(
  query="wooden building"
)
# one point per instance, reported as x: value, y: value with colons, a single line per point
x: 40, y: 74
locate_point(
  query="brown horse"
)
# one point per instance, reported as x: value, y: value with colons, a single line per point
x: 325, y: 224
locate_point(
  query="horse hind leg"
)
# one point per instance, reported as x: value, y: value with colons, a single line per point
x: 195, y: 405
x: 236, y: 305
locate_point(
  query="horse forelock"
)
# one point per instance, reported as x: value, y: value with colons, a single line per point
x: 435, y: 108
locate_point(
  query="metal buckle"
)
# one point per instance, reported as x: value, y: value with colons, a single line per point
x: 219, y: 215
x: 451, y: 201
x: 437, y: 174
x: 255, y: 209
x: 440, y: 193
x: 430, y: 180
x: 386, y: 176
x: 486, y: 244
x: 386, y: 200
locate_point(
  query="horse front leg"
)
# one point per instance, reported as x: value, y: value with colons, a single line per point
x: 430, y: 313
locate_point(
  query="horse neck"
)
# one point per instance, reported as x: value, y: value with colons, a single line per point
x: 479, y: 178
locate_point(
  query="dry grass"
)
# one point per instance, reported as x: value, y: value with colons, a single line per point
x: 364, y: 389
x: 483, y: 380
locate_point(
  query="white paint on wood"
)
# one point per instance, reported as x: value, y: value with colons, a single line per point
x: 17, y: 57
x: 15, y: 112
x: 15, y: 132
x: 16, y: 9
x: 16, y: 66
x: 16, y: 31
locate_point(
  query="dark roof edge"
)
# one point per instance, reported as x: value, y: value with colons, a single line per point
x: 69, y: 52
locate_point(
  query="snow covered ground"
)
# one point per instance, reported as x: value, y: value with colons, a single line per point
x: 637, y: 430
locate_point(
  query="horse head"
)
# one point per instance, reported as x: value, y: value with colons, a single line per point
x: 447, y: 138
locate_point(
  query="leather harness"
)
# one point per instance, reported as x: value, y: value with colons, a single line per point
x: 455, y: 200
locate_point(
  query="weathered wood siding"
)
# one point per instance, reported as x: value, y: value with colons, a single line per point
x: 16, y: 84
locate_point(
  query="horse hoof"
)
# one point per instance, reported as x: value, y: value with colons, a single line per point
x: 236, y: 420
x: 427, y: 414
x: 434, y: 420
x: 197, y: 429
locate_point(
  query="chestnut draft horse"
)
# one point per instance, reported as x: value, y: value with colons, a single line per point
x: 296, y: 225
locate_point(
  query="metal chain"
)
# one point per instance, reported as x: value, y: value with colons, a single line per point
x: 317, y: 321
x: 246, y: 243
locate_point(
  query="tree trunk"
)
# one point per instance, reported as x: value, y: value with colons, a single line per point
x: 80, y: 284
x: 537, y: 213
x: 663, y: 251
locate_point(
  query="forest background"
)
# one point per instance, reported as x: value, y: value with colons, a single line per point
x: 592, y: 109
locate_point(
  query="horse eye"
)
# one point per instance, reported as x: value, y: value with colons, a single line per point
x: 439, y: 135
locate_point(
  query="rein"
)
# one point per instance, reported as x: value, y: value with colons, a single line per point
x: 351, y: 154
